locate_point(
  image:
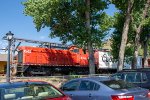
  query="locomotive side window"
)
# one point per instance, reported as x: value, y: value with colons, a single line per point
x: 20, y: 56
x: 84, y: 51
x: 75, y: 50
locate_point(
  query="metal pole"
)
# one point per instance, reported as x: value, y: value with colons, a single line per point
x: 8, y: 63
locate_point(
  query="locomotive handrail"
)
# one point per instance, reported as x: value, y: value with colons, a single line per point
x: 50, y: 44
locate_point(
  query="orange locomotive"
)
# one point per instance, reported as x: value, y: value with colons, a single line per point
x: 46, y: 61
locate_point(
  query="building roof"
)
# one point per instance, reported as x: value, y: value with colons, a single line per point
x: 3, y: 57
x: 107, y: 44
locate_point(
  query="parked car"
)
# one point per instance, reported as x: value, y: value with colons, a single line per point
x: 103, y: 88
x: 139, y: 77
x: 30, y: 90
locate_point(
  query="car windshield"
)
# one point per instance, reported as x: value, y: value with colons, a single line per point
x: 133, y: 77
x: 118, y: 84
x: 30, y: 92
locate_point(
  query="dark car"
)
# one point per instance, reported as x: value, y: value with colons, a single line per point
x: 139, y: 77
x: 103, y: 88
x: 30, y: 90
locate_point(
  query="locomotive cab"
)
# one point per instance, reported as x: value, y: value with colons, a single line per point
x: 77, y: 50
x: 81, y: 55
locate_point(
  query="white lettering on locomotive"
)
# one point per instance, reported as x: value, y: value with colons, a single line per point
x: 27, y: 51
x: 84, y: 58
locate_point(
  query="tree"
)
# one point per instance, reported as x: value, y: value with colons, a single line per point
x: 144, y: 41
x: 89, y: 43
x: 138, y: 25
x: 117, y: 34
x: 84, y: 23
x: 126, y: 7
x: 135, y: 12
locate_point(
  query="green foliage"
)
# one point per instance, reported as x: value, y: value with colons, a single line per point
x: 145, y: 36
x: 120, y: 4
x: 117, y: 34
x: 129, y: 50
x: 70, y: 77
x: 66, y: 19
x: 136, y: 16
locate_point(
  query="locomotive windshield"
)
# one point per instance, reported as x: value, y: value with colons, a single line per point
x: 75, y: 50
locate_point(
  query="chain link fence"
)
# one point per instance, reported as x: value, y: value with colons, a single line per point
x: 55, y: 80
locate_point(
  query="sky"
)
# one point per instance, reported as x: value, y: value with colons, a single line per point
x: 12, y: 19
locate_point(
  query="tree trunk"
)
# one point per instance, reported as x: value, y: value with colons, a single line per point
x: 89, y: 44
x: 138, y: 33
x: 136, y: 48
x: 124, y: 36
x: 145, y: 53
x: 91, y: 59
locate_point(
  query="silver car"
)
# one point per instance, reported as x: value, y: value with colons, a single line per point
x: 103, y: 88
